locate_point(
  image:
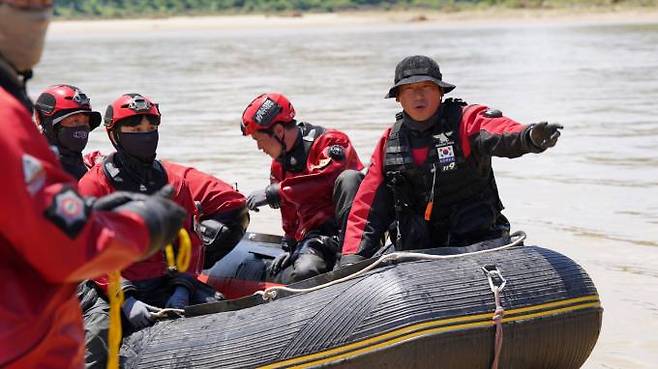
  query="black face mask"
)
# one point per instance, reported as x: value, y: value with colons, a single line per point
x: 73, y: 138
x: 141, y: 145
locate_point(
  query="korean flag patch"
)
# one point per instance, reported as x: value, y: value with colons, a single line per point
x: 446, y: 154
x: 446, y: 158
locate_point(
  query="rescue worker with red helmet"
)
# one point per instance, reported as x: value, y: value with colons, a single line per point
x: 50, y: 236
x: 64, y: 115
x: 314, y: 177
x: 431, y: 172
x: 132, y: 122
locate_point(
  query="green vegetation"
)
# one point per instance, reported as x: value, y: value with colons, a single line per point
x: 140, y: 8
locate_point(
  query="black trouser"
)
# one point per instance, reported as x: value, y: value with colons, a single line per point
x: 345, y: 188
x: 318, y: 252
x: 96, y: 312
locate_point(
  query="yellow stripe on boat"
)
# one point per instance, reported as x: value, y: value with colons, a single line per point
x: 435, y: 327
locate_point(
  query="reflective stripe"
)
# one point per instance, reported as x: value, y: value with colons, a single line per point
x: 432, y: 328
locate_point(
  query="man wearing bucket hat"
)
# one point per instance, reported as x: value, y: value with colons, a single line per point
x: 50, y: 236
x: 431, y: 171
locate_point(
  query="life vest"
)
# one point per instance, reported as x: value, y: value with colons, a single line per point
x: 463, y: 190
x: 295, y: 161
x: 123, y: 179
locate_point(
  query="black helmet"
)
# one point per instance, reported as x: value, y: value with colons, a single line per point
x: 418, y: 68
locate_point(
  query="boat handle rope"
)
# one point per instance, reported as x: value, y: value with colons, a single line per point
x: 116, y: 296
x: 271, y: 293
x: 497, y: 282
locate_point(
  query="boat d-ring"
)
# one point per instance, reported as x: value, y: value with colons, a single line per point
x: 497, y: 282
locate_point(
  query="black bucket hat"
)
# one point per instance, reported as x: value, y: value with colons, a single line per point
x: 418, y: 68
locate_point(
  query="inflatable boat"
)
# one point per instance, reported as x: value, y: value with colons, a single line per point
x: 484, y: 306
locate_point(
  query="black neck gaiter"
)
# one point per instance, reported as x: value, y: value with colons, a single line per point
x: 140, y: 145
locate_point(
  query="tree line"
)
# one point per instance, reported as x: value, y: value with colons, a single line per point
x: 137, y: 8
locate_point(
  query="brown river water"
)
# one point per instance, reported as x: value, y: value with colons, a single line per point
x: 594, y: 197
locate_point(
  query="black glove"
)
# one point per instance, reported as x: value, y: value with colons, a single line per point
x: 544, y: 134
x: 138, y: 313
x: 280, y: 262
x: 162, y: 216
x: 284, y: 260
x: 268, y: 196
x: 179, y: 299
x: 350, y: 259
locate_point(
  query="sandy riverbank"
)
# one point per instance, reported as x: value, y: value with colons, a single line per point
x: 365, y: 18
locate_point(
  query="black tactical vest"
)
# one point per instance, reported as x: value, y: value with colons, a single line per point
x: 465, y: 197
x: 146, y: 180
x: 295, y: 160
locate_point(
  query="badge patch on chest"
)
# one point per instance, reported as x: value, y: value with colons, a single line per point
x: 68, y: 211
x: 446, y: 157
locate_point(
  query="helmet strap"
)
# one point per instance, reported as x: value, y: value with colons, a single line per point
x: 48, y: 129
x: 281, y: 142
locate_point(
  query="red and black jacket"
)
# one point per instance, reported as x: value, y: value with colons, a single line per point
x: 115, y: 175
x: 447, y: 164
x: 49, y: 240
x: 219, y: 201
x: 307, y: 175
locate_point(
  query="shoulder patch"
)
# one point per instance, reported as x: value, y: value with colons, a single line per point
x: 456, y: 101
x: 336, y: 152
x: 111, y: 169
x: 33, y: 174
x: 492, y: 113
x: 311, y: 135
x: 68, y: 211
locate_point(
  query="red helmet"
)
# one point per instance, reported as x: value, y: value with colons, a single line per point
x: 265, y: 111
x: 129, y: 105
x: 62, y: 101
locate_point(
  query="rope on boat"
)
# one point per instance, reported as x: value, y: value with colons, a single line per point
x: 116, y: 296
x: 271, y: 293
x: 497, y: 282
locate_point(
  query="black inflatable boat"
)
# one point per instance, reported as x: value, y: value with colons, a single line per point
x: 432, y: 309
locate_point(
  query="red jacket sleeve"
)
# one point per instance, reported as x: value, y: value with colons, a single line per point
x: 372, y: 210
x: 45, y: 220
x: 289, y: 219
x: 493, y: 136
x: 321, y: 169
x: 215, y: 196
x: 93, y: 183
x: 311, y: 192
